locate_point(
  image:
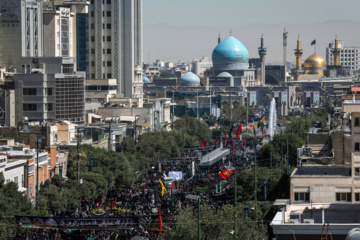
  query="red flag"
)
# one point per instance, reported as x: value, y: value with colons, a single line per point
x: 172, y: 186
x: 244, y: 143
x: 238, y: 131
x: 233, y: 147
x: 225, y: 174
x: 216, y: 141
x: 160, y: 222
x: 262, y: 130
x: 225, y: 140
x: 203, y: 142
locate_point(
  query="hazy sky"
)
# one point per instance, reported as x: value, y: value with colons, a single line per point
x: 223, y: 13
x: 187, y: 29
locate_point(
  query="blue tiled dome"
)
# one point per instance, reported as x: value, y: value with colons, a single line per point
x: 225, y: 74
x: 190, y: 78
x: 230, y: 54
x: 146, y: 79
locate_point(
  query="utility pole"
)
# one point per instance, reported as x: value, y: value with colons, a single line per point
x: 197, y: 105
x: 270, y: 156
x: 135, y: 133
x: 282, y: 152
x: 37, y: 171
x: 109, y: 140
x: 235, y: 203
x: 79, y: 130
x: 247, y: 106
x: 199, y: 226
x: 255, y: 184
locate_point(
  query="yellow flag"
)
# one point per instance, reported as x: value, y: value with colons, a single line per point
x: 162, y: 188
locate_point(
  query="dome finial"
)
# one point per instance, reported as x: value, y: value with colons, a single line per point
x: 230, y: 32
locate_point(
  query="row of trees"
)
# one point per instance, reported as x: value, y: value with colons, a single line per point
x: 219, y: 223
x: 102, y: 171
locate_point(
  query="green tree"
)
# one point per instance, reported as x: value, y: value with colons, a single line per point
x: 194, y: 128
x: 215, y: 224
x: 236, y: 112
x: 294, y: 142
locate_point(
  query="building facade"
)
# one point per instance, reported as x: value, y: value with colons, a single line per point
x: 21, y: 30
x: 349, y: 56
x: 116, y: 44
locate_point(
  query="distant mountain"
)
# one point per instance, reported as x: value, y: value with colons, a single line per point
x: 173, y: 43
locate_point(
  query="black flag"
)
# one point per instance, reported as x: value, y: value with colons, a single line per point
x: 313, y: 42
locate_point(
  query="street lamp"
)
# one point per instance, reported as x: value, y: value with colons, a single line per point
x: 155, y: 111
x: 38, y: 138
x: 79, y: 132
x: 136, y: 116
x: 109, y: 140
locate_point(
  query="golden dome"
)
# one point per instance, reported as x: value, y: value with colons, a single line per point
x: 315, y: 64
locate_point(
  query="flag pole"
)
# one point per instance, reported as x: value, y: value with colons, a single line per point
x: 235, y: 203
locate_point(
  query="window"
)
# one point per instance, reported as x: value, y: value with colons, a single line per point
x: 92, y: 14
x: 357, y: 122
x: 7, y: 180
x: 108, y: 1
x: 31, y: 189
x: 16, y: 180
x: 93, y: 38
x: 302, y: 196
x: 22, y: 180
x: 29, y: 91
x: 109, y: 38
x: 357, y: 147
x: 108, y: 14
x: 109, y: 75
x: 343, y: 197
x: 357, y: 197
x: 29, y: 107
x: 108, y: 63
x: 49, y: 91
x: 108, y: 51
x: 93, y: 74
x: 108, y: 26
x: 92, y: 26
x: 50, y: 107
x: 88, y: 100
x: 93, y: 64
x: 357, y: 172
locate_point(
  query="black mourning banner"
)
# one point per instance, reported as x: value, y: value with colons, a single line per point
x: 77, y: 223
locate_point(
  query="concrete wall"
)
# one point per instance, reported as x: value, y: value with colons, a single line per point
x: 324, y: 187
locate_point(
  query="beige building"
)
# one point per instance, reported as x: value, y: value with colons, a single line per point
x: 58, y: 32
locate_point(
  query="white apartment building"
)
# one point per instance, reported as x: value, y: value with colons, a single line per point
x: 13, y: 171
x: 21, y: 31
x: 116, y: 45
x: 349, y: 56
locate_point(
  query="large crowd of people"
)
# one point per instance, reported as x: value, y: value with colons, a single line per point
x: 144, y: 201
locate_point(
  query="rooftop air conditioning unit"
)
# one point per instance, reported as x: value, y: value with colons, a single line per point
x: 294, y: 221
x: 309, y: 221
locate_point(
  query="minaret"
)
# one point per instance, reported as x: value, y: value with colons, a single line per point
x: 336, y: 52
x: 262, y: 53
x: 298, y: 54
x: 285, y: 33
x: 219, y: 39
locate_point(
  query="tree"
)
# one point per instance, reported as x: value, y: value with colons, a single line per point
x: 294, y: 143
x: 194, y: 128
x: 236, y: 112
x: 215, y: 224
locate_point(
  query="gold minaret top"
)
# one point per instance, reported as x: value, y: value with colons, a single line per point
x: 336, y: 52
x: 298, y: 54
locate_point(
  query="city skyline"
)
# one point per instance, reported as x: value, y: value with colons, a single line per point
x: 164, y: 36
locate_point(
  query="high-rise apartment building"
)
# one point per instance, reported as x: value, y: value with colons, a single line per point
x: 115, y: 31
x: 21, y: 31
x: 349, y: 56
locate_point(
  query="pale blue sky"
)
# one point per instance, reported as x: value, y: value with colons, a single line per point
x: 223, y: 13
x: 187, y: 29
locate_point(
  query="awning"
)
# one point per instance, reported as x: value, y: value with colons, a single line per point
x: 94, y: 116
x: 127, y: 118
